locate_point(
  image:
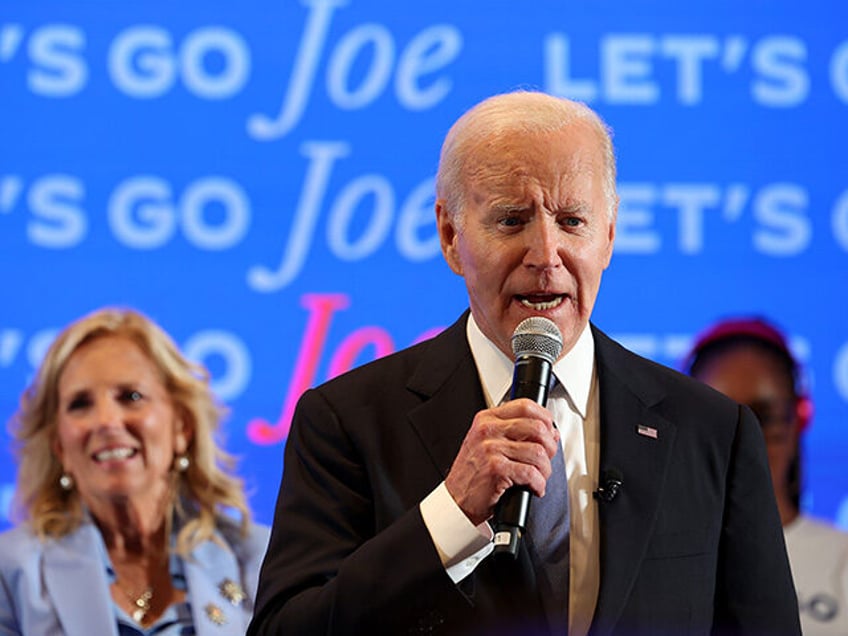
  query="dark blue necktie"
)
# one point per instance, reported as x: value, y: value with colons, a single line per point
x: 548, y: 528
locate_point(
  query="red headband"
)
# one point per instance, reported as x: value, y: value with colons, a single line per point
x: 753, y: 327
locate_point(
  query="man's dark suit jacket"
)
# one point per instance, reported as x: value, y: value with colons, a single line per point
x: 691, y: 545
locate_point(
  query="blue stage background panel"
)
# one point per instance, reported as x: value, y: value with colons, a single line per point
x: 257, y: 177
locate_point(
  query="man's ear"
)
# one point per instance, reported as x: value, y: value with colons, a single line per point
x: 611, y: 244
x: 446, y: 225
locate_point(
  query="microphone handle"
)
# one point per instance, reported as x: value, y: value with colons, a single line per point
x: 531, y: 379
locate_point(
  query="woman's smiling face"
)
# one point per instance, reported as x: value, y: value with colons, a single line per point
x: 117, y: 428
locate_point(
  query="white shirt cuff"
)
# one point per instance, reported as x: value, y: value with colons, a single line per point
x: 461, y: 545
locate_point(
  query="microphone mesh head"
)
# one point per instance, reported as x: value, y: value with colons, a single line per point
x: 537, y: 336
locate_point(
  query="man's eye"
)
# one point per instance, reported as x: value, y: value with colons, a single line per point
x: 510, y: 221
x: 571, y: 221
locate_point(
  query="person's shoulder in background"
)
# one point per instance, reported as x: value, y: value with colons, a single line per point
x: 821, y: 536
x: 249, y: 546
x: 818, y: 556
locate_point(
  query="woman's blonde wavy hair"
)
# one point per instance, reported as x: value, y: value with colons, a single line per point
x: 201, y: 495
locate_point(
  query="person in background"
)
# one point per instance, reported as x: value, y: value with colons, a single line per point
x: 393, y: 471
x: 124, y: 497
x: 749, y: 360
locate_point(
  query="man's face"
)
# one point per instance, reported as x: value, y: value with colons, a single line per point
x: 536, y: 232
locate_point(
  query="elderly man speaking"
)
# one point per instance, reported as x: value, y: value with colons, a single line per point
x: 647, y: 498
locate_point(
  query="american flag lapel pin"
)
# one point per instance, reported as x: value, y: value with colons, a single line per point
x: 647, y: 431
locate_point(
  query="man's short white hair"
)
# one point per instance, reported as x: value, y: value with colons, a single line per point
x: 520, y: 111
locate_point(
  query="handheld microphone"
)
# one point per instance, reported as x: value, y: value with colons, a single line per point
x: 611, y: 483
x: 536, y: 343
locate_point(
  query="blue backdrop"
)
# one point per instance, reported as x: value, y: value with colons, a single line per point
x: 257, y: 177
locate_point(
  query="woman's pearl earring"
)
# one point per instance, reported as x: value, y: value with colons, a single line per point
x: 66, y: 482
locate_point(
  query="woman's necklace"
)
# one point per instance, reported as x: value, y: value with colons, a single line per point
x: 141, y: 602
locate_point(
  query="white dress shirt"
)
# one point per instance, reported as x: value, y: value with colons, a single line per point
x: 462, y: 546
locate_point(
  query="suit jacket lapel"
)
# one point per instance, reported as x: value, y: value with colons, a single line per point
x: 213, y: 610
x: 626, y: 403
x: 77, y: 583
x: 446, y: 380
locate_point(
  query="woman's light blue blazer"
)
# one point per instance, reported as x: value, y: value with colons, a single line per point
x: 60, y: 586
